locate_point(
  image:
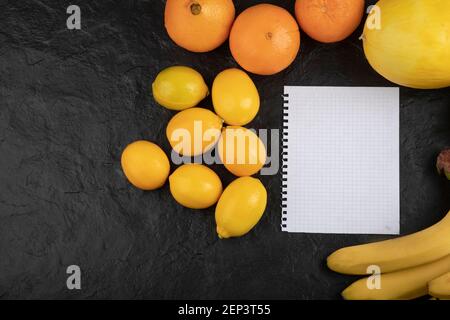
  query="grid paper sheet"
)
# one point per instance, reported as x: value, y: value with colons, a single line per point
x: 341, y: 159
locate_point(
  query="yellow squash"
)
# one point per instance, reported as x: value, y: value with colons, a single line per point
x: 408, y: 42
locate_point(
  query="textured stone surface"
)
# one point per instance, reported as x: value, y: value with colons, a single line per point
x: 70, y: 101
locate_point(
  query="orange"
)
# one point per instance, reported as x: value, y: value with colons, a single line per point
x: 265, y: 39
x: 199, y: 25
x: 329, y: 20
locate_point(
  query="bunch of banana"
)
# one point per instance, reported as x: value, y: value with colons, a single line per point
x: 440, y: 287
x: 409, y: 265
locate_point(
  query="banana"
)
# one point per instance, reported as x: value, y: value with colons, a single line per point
x: 390, y: 255
x: 399, y: 285
x: 440, y: 287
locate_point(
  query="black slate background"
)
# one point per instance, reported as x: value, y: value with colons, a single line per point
x: 70, y: 101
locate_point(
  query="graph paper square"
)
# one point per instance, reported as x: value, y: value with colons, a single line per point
x: 342, y: 160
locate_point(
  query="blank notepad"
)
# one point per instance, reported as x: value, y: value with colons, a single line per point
x: 341, y: 160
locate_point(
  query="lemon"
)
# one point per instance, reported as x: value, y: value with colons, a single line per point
x: 145, y: 165
x: 179, y: 88
x: 241, y: 151
x: 235, y: 97
x: 193, y: 131
x: 195, y: 186
x: 240, y: 207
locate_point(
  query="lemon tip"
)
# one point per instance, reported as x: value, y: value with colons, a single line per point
x: 223, y: 234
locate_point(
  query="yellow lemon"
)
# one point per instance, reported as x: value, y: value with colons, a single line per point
x: 145, y: 165
x: 179, y: 88
x: 240, y: 207
x: 235, y: 97
x: 241, y: 151
x: 194, y: 131
x: 195, y: 186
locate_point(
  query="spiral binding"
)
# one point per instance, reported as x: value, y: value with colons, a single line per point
x: 284, y: 162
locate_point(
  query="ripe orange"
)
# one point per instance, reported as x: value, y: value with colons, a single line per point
x: 265, y: 39
x: 329, y: 20
x: 199, y: 25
